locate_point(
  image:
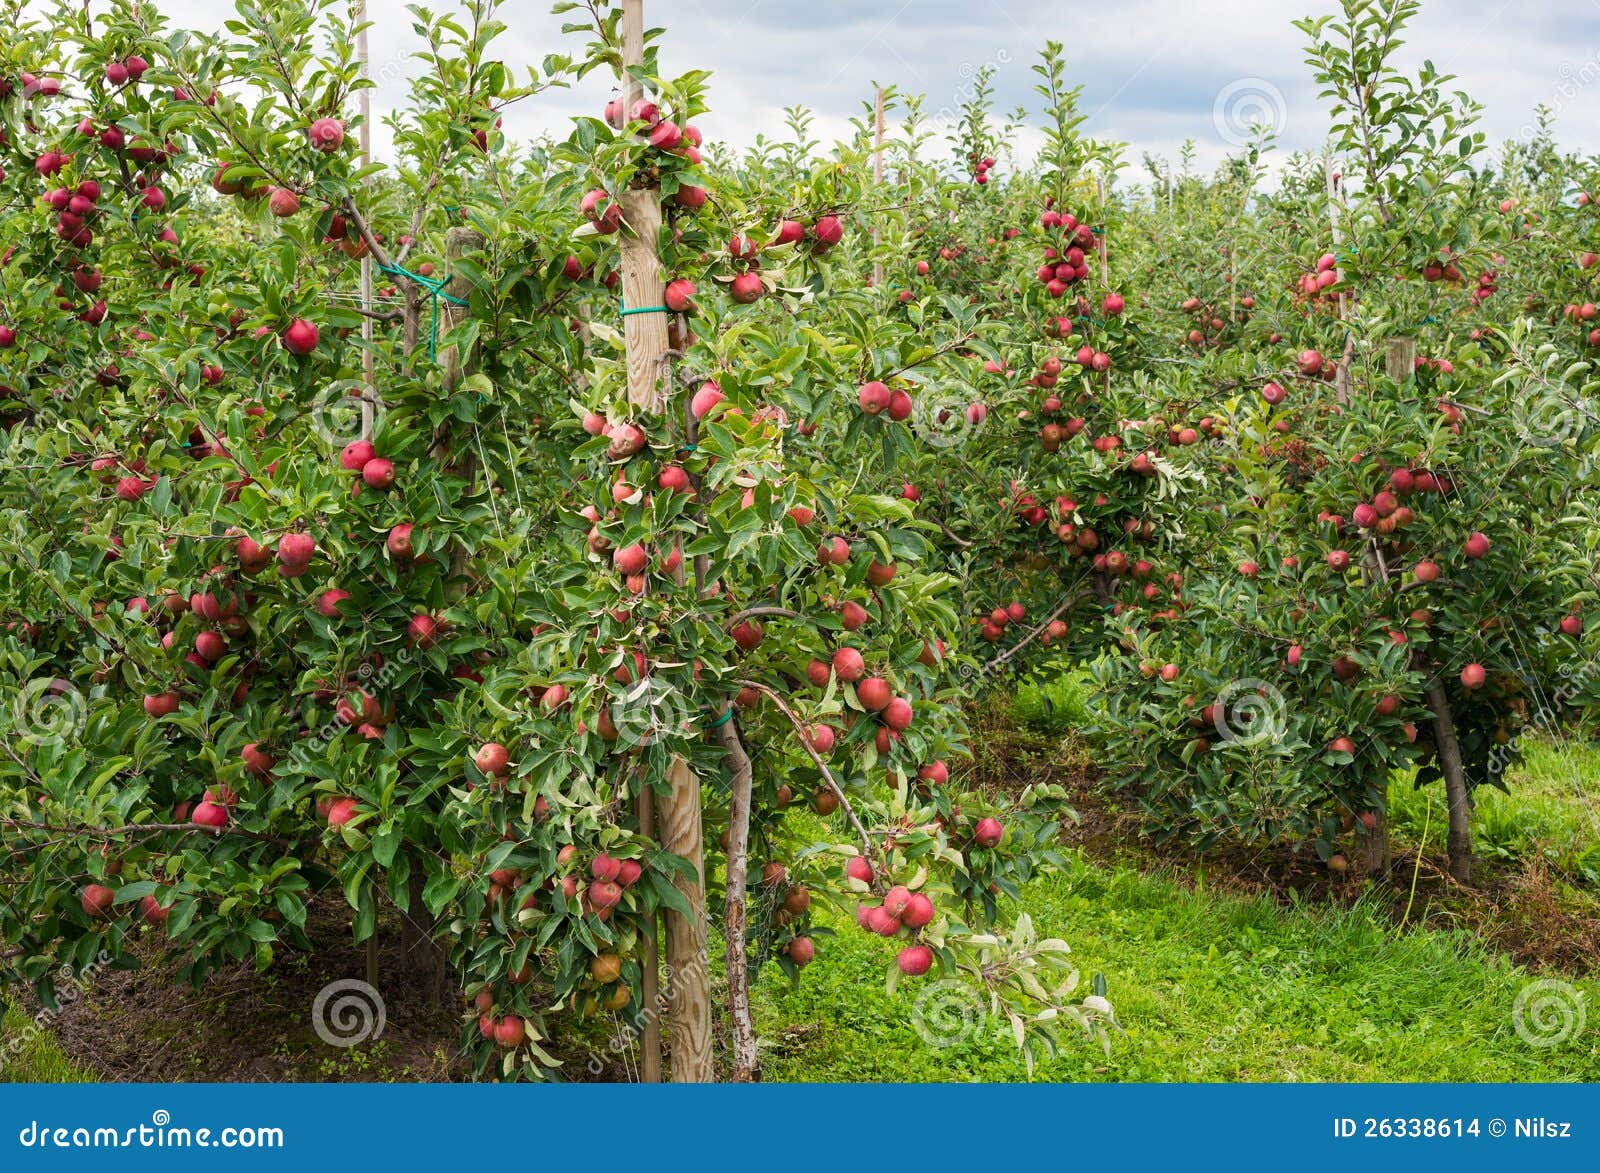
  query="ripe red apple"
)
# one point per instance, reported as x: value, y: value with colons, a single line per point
x: 1473, y: 676
x: 209, y: 814
x: 898, y: 715
x: 423, y: 631
x: 746, y: 288
x: 679, y: 296
x: 301, y: 337
x: 707, y: 397
x: 915, y: 960
x: 341, y: 811
x: 874, y: 397
x: 257, y: 760
x: 834, y: 551
x: 378, y: 473
x: 509, y: 1032
x: 801, y: 951
x: 283, y: 202
x: 492, y: 759
x: 859, y: 869
x: 152, y: 913
x: 161, y: 704
x: 631, y: 559
x: 354, y: 456
x: 988, y: 833
x: 326, y: 134
x: 97, y: 901
x: 1310, y: 362
x: 821, y: 739
x: 296, y: 549
x: 1338, y: 559
x: 874, y: 693
x: 1572, y: 625
x: 1426, y: 571
x: 210, y: 645
x: 919, y: 911
x: 1342, y: 745
x: 328, y: 602
x: 1476, y: 546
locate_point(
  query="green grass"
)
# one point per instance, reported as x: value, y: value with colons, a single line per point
x: 1208, y: 987
x: 28, y: 1052
x: 1551, y: 811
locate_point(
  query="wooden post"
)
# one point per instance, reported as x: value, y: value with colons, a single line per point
x: 1400, y: 361
x: 877, y: 175
x: 1333, y: 222
x: 358, y: 17
x: 649, y: 390
x: 650, y: 986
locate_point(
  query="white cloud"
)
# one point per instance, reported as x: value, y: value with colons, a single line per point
x: 1151, y: 69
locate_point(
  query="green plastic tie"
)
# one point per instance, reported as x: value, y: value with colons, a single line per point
x: 436, y: 291
x: 722, y: 720
x: 648, y: 309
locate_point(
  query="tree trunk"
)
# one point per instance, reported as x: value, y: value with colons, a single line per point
x: 746, y: 1061
x: 649, y: 389
x: 1455, y: 784
x: 1375, y: 856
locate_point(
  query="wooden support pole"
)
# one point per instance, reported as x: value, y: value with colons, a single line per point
x: 650, y: 390
x: 650, y: 986
x: 877, y: 176
x: 1400, y: 361
x: 358, y: 17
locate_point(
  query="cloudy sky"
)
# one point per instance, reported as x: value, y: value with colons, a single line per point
x: 1154, y: 72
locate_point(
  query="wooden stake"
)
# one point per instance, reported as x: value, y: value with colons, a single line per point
x: 1401, y: 359
x: 877, y: 175
x: 358, y: 16
x: 650, y: 987
x: 649, y: 390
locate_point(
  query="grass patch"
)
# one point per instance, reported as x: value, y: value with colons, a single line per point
x: 29, y: 1054
x: 1209, y: 987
